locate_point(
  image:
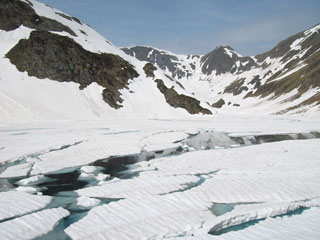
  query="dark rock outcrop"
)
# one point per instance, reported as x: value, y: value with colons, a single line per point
x: 236, y: 87
x: 219, y: 103
x: 175, y: 81
x: 256, y: 81
x: 14, y: 13
x: 69, y: 17
x: 149, y: 69
x: 47, y: 55
x: 176, y: 100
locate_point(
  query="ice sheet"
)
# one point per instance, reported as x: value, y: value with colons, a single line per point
x: 276, y: 178
x: 13, y: 204
x: 33, y: 225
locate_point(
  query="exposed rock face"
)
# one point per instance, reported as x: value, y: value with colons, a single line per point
x: 219, y: 104
x: 14, y: 13
x: 149, y: 69
x: 163, y: 59
x: 47, y: 55
x: 69, y: 17
x: 256, y: 81
x: 302, y: 80
x: 223, y: 59
x: 176, y: 100
x: 236, y: 87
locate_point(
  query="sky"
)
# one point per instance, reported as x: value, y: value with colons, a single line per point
x: 195, y: 26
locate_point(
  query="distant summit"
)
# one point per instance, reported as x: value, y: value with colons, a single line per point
x: 233, y: 82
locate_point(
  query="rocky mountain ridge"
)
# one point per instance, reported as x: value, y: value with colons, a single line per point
x: 56, y: 67
x: 229, y: 80
x: 180, y: 66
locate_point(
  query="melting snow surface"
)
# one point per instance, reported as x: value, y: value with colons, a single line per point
x: 33, y: 225
x: 168, y: 196
x: 14, y: 204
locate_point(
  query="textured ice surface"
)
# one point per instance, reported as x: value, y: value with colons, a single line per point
x: 13, y: 204
x: 167, y: 196
x: 33, y: 225
x: 275, y: 182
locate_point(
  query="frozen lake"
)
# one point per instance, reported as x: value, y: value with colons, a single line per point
x: 227, y: 177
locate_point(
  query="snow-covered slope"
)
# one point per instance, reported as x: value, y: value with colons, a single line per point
x: 55, y: 67
x: 282, y: 80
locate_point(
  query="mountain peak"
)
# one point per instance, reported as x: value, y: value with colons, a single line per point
x: 224, y: 47
x: 223, y: 59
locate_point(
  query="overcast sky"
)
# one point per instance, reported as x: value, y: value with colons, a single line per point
x: 195, y: 26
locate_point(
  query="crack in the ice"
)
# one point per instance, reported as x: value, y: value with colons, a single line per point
x: 123, y: 132
x: 23, y: 159
x: 307, y: 199
x: 236, y: 227
x: 54, y: 203
x: 75, y: 216
x: 24, y: 129
x: 4, y: 166
x: 22, y: 215
x: 17, y: 134
x: 63, y: 147
x: 191, y: 185
x: 143, y: 145
x: 219, y: 229
x: 30, y: 170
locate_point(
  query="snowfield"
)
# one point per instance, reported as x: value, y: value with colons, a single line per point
x: 16, y: 87
x: 162, y: 179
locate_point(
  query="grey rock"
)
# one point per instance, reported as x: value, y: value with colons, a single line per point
x: 47, y: 55
x: 176, y: 100
x: 14, y: 13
